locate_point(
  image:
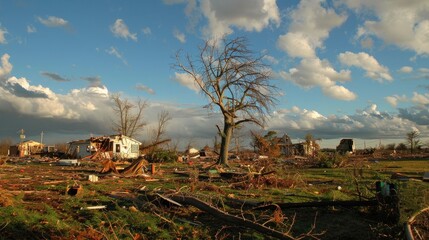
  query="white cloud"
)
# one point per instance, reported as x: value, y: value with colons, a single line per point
x: 424, y: 70
x: 145, y: 88
x: 187, y: 81
x: 147, y: 31
x: 339, y: 92
x: 271, y: 59
x: 53, y: 21
x: 179, y: 36
x: 249, y: 15
x: 120, y: 29
x: 369, y: 123
x: 420, y: 99
x: 367, y: 62
x: 6, y: 66
x: 395, y: 99
x: 402, y: 23
x: 311, y: 24
x: 315, y: 72
x: 297, y: 44
x: 3, y: 32
x: 113, y: 51
x: 406, y: 69
x: 31, y: 29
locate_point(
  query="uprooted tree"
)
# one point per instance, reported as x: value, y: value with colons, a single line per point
x: 235, y: 81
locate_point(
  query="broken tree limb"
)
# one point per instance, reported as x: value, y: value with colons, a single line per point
x: 320, y: 204
x: 221, y: 215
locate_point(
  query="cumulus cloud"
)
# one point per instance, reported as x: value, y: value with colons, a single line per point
x: 248, y: 15
x: 6, y: 66
x: 368, y: 63
x: 369, y: 123
x: 55, y: 77
x: 409, y: 19
x: 3, y: 32
x: 115, y: 52
x: 395, y: 99
x: 144, y: 88
x: 420, y: 99
x: 187, y: 81
x: 53, y: 21
x: 37, y: 108
x: 405, y: 69
x: 315, y: 72
x: 120, y: 29
x: 311, y: 24
x: 179, y: 36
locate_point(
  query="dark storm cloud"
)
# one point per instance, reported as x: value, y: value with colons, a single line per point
x: 55, y: 77
x: 19, y: 91
x: 93, y: 81
x: 415, y: 114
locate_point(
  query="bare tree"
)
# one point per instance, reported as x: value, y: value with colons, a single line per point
x: 235, y: 81
x: 163, y: 118
x: 4, y: 146
x: 129, y: 120
x: 412, y: 140
x: 159, y: 132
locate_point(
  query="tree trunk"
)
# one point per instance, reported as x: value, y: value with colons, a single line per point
x: 226, y: 138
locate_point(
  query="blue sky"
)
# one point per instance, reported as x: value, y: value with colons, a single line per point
x: 346, y: 68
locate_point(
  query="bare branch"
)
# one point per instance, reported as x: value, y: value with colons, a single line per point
x: 233, y: 79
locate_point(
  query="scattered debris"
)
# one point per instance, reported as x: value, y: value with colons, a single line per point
x: 426, y: 176
x: 69, y: 162
x: 74, y: 190
x: 93, y: 178
x: 94, y: 207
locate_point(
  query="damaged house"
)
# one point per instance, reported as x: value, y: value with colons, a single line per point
x: 26, y: 148
x: 288, y: 148
x: 346, y: 146
x: 114, y: 147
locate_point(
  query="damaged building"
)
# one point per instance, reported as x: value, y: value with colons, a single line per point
x: 26, y: 148
x: 115, y: 146
x: 346, y: 146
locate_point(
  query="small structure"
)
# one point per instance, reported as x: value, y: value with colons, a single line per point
x: 346, y: 146
x: 289, y: 149
x: 286, y: 146
x: 114, y: 146
x: 26, y: 148
x: 207, y: 152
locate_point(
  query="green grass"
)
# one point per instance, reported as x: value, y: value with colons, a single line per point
x: 31, y: 216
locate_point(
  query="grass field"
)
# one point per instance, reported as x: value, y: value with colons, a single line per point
x: 34, y: 203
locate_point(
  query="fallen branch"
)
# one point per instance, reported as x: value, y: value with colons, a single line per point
x: 224, y: 216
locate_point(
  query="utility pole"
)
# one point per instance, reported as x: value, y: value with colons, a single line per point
x: 21, y: 148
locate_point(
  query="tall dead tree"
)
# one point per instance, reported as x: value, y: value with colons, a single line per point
x: 413, y: 140
x: 235, y: 81
x: 129, y: 120
x: 159, y: 132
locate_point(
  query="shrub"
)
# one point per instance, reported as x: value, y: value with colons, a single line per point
x: 330, y: 160
x: 161, y: 156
